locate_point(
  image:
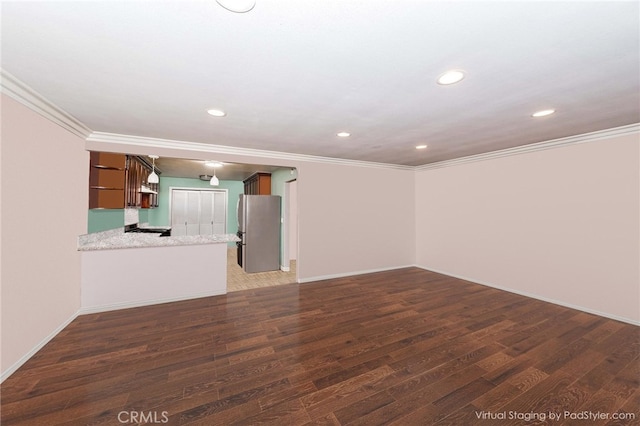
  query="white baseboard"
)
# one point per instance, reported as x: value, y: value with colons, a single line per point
x: 350, y: 274
x: 536, y: 296
x: 285, y: 268
x: 136, y: 304
x: 9, y: 371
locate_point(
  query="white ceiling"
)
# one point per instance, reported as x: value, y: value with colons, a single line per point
x: 189, y: 168
x: 291, y: 74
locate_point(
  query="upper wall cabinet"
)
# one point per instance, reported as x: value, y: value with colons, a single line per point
x: 107, y: 180
x: 258, y: 184
x: 117, y: 181
x: 138, y: 172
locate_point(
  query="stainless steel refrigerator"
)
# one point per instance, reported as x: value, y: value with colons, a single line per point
x: 259, y: 232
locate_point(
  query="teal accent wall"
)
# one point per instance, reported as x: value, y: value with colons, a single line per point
x: 104, y: 219
x: 278, y: 179
x: 161, y: 215
x: 143, y: 215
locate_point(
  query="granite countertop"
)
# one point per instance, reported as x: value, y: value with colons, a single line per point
x: 118, y: 239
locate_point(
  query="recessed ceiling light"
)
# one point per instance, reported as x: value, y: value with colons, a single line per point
x: 543, y: 113
x: 214, y: 164
x: 450, y: 77
x: 421, y: 146
x: 344, y: 134
x: 216, y: 112
x: 237, y: 6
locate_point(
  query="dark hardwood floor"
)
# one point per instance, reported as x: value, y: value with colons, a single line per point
x: 405, y: 347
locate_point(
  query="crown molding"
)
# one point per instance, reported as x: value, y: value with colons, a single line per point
x: 539, y: 146
x: 28, y: 97
x: 146, y: 142
x: 139, y: 141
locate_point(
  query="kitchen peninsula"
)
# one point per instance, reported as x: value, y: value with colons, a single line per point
x: 122, y: 270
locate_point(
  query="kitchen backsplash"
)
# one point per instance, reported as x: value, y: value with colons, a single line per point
x: 131, y: 216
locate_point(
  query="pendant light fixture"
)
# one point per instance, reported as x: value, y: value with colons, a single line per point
x: 214, y: 180
x: 153, y: 177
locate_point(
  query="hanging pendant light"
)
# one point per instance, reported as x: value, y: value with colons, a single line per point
x: 153, y: 177
x: 214, y: 180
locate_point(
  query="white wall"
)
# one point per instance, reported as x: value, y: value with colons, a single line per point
x: 44, y: 208
x: 560, y: 224
x: 138, y: 276
x: 353, y: 219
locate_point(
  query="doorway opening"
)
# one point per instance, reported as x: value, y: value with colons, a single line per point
x: 284, y: 185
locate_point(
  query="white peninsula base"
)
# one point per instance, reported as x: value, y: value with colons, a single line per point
x: 129, y: 277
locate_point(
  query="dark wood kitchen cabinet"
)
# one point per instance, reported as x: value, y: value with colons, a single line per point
x: 138, y: 171
x: 137, y: 175
x: 107, y: 180
x: 116, y: 182
x: 258, y: 184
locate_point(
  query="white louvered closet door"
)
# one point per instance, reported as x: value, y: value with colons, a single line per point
x: 220, y: 213
x: 198, y: 212
x: 193, y: 212
x: 178, y: 213
x: 206, y: 212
